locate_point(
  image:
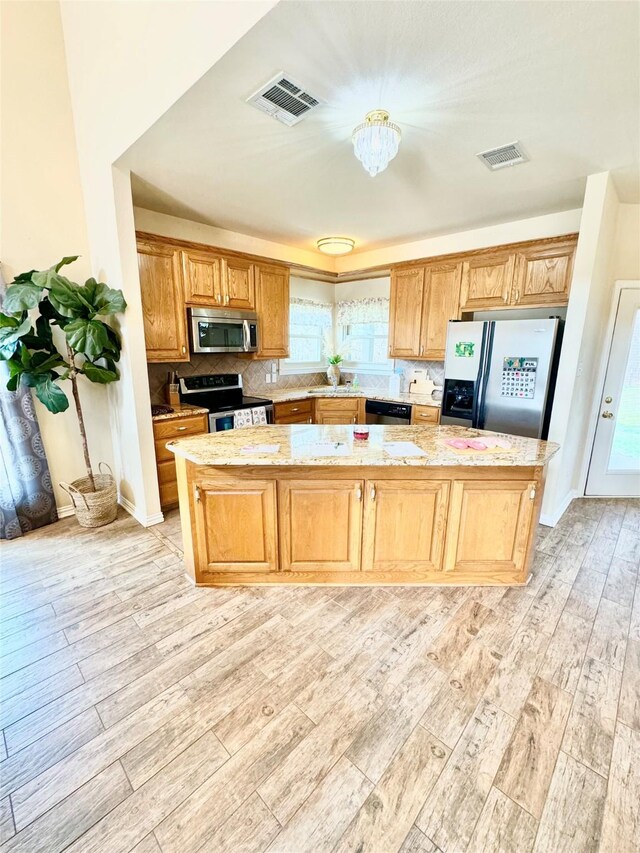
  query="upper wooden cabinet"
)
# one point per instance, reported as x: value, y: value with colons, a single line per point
x: 441, y: 303
x: 202, y: 283
x: 543, y: 275
x: 272, y: 306
x: 165, y: 327
x: 405, y: 312
x: 486, y: 281
x: 423, y: 300
x: 238, y: 285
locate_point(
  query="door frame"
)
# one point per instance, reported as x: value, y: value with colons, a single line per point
x: 594, y: 414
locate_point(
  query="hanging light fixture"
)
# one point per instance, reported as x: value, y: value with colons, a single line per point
x: 376, y: 141
x: 336, y: 245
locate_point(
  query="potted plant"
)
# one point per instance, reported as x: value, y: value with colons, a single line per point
x: 89, y: 347
x: 333, y: 371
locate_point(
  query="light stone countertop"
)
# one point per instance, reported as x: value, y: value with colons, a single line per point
x: 302, y: 444
x: 184, y: 410
x: 311, y: 393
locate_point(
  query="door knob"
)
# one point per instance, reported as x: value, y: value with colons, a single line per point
x: 607, y: 415
x: 608, y: 399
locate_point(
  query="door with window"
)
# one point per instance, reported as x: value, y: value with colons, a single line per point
x: 615, y: 460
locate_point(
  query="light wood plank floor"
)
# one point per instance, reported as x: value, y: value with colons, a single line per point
x: 139, y: 713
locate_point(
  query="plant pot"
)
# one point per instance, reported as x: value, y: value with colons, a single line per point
x: 333, y: 374
x: 94, y: 509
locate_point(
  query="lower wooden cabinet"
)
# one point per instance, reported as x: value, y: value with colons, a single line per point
x: 332, y: 410
x: 166, y: 430
x: 488, y: 526
x: 320, y: 525
x: 424, y: 415
x: 294, y: 412
x: 404, y: 525
x: 236, y: 528
x: 344, y: 528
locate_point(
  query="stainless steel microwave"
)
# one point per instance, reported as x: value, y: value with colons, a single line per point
x: 213, y: 330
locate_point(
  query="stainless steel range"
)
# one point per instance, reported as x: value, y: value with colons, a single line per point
x: 221, y: 393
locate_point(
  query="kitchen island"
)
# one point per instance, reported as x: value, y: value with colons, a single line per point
x: 307, y: 504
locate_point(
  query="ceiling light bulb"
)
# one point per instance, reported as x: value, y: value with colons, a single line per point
x: 376, y: 141
x: 336, y: 245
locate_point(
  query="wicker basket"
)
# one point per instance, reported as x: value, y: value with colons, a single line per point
x: 94, y: 509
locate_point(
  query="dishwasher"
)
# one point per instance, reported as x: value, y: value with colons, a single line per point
x: 387, y: 413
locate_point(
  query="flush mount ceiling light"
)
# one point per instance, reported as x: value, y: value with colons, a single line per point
x: 336, y: 245
x: 376, y: 141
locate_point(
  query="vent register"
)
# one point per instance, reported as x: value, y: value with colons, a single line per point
x: 284, y: 100
x: 505, y: 155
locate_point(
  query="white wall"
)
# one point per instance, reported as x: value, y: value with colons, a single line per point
x: 41, y: 199
x: 537, y: 227
x: 626, y: 246
x: 583, y: 342
x: 127, y: 62
x: 186, y: 229
x: 372, y: 287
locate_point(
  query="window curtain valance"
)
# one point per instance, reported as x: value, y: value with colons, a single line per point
x: 308, y: 312
x: 374, y: 309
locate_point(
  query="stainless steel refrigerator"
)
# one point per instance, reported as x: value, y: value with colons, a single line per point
x: 500, y: 375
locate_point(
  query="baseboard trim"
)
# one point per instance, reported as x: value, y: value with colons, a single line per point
x: 551, y: 519
x: 144, y: 520
x: 66, y: 511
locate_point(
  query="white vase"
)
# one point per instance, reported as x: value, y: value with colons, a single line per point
x: 333, y: 374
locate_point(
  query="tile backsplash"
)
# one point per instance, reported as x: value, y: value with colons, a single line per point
x: 253, y: 374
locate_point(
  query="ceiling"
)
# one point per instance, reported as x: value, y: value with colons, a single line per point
x: 458, y: 77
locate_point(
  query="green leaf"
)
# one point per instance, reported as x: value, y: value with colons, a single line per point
x: 24, y: 276
x: 99, y: 374
x: 12, y: 383
x: 21, y: 297
x: 67, y: 297
x: 103, y: 299
x: 113, y: 345
x: 66, y: 260
x: 51, y: 395
x: 88, y: 337
x: 10, y: 336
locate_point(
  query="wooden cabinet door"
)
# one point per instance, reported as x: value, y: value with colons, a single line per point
x: 329, y: 410
x: 498, y: 549
x: 163, y: 311
x: 238, y: 287
x: 543, y: 275
x: 272, y: 305
x: 405, y: 313
x: 440, y: 304
x: 486, y: 282
x: 320, y: 525
x: 404, y: 525
x: 201, y: 273
x: 236, y: 527
x: 425, y: 415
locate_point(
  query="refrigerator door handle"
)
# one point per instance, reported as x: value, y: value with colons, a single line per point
x: 483, y: 375
x: 478, y: 383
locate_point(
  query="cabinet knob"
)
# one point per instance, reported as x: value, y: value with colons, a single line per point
x: 359, y: 493
x: 184, y: 349
x: 294, y: 409
x: 607, y: 415
x: 373, y: 493
x: 181, y: 429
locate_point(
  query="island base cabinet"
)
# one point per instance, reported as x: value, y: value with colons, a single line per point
x: 235, y: 525
x: 404, y: 525
x: 320, y: 525
x: 488, y: 529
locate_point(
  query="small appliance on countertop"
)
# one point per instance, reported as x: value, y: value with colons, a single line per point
x: 221, y: 393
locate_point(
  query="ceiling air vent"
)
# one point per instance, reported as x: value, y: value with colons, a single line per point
x: 285, y: 100
x: 506, y: 155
